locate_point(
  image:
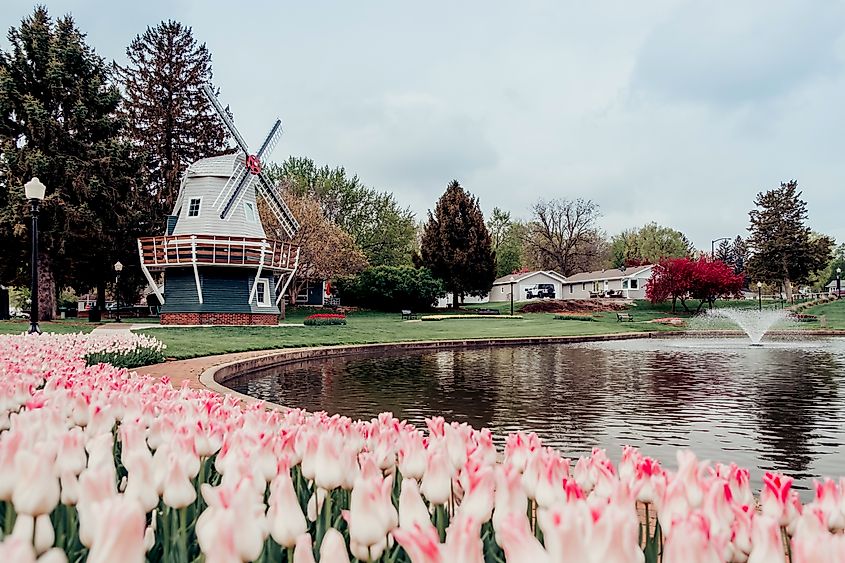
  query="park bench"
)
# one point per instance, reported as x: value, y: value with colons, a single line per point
x: 624, y: 317
x: 407, y: 315
x: 488, y: 311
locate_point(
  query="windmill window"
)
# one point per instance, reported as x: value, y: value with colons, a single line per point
x: 194, y: 207
x: 262, y: 293
x: 249, y: 212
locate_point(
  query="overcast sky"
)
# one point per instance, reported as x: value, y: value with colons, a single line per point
x: 671, y: 111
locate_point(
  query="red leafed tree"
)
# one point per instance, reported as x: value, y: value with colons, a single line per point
x: 680, y: 279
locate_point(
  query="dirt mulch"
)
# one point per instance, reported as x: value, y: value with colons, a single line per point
x: 572, y: 306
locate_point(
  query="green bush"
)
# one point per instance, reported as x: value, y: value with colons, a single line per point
x: 391, y: 288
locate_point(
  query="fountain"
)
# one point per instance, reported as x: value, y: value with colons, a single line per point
x: 755, y: 323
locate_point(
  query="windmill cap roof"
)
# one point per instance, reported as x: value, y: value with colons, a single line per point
x: 222, y: 165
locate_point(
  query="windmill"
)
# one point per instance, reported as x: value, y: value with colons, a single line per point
x: 220, y: 267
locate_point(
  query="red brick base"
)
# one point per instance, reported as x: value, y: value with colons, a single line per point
x: 267, y: 319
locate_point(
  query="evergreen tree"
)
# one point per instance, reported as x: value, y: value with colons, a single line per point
x: 783, y: 249
x: 171, y: 122
x: 723, y: 252
x: 739, y: 254
x: 456, y: 245
x: 59, y: 121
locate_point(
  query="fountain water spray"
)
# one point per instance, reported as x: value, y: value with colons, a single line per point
x: 754, y: 323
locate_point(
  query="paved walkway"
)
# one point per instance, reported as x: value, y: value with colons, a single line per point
x: 190, y: 370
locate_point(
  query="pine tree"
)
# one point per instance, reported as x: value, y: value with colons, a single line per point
x: 170, y: 120
x: 783, y: 249
x: 456, y: 245
x: 59, y: 121
x: 739, y: 254
x: 723, y: 252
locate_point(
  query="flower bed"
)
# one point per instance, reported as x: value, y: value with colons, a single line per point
x: 325, y: 319
x: 98, y: 464
x: 124, y: 350
x: 803, y: 318
x: 574, y: 317
x: 464, y: 317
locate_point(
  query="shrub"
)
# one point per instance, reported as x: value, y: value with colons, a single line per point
x: 391, y: 288
x: 465, y: 317
x: 325, y: 319
x: 574, y: 318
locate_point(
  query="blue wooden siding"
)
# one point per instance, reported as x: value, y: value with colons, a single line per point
x: 224, y: 290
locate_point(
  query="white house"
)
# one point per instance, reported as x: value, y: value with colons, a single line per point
x: 628, y: 282
x: 527, y: 285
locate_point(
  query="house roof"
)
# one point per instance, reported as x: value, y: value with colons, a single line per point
x: 610, y: 274
x: 516, y: 278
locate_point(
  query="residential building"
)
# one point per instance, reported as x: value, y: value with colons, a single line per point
x: 539, y: 284
x: 628, y: 283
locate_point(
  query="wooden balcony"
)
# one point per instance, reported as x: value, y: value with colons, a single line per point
x: 158, y: 253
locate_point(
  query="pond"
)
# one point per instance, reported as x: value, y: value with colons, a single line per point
x: 778, y: 407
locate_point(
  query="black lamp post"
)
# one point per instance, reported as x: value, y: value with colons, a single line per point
x: 118, y: 267
x: 713, y: 246
x: 760, y: 295
x: 34, y: 191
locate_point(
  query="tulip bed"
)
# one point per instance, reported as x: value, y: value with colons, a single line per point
x: 325, y: 319
x: 123, y: 350
x: 101, y: 465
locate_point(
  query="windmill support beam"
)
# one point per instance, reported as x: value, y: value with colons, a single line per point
x: 149, y: 276
x: 196, y: 272
x: 258, y: 273
x: 290, y: 278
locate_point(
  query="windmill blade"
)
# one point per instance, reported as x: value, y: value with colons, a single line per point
x: 234, y: 180
x: 237, y: 194
x: 271, y: 141
x: 215, y: 103
x: 277, y: 205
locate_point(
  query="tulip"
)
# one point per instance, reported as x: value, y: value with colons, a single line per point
x: 37, y: 488
x: 690, y: 541
x: 178, y: 491
x: 303, y: 552
x: 328, y: 471
x: 333, y: 548
x: 45, y: 536
x: 518, y: 543
x: 119, y: 535
x: 17, y: 550
x: 479, y: 492
x: 412, y: 509
x: 775, y: 498
x: 766, y: 542
x: 510, y: 497
x: 412, y: 458
x: 566, y: 531
x: 437, y: 482
x: 285, y: 518
x: 422, y: 544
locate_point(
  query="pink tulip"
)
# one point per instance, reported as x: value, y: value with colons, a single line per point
x: 614, y: 536
x: 141, y: 483
x: 285, y: 517
x: 691, y: 541
x: 567, y: 529
x: 766, y: 541
x: 178, y: 490
x: 775, y: 498
x: 10, y: 442
x: 510, y: 497
x: 437, y: 482
x: 463, y: 540
x: 411, y: 453
x: 690, y: 473
x: 740, y: 544
x: 479, y: 485
x: 371, y: 514
x: 36, y: 489
x: 643, y: 481
x: 45, y: 536
x: 519, y: 543
x: 422, y: 544
x: 17, y: 550
x: 549, y: 485
x: 412, y: 509
x: 671, y: 500
x: 303, y: 552
x: 328, y: 469
x: 333, y: 548
x: 831, y: 501
x: 119, y: 534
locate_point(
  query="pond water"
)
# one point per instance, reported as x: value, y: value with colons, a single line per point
x: 778, y: 407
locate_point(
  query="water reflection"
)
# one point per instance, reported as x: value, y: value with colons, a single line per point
x: 779, y: 407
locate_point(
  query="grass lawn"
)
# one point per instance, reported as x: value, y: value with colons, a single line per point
x: 370, y: 327
x: 834, y: 313
x: 60, y: 326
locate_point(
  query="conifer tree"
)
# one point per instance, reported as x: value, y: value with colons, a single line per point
x: 783, y: 248
x: 456, y: 245
x: 723, y: 252
x: 59, y: 121
x: 170, y: 120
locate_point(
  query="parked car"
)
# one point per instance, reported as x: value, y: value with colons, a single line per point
x: 540, y: 291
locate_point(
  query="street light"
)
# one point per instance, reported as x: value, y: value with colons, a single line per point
x: 838, y: 282
x: 118, y: 267
x: 34, y: 191
x: 713, y: 246
x: 760, y: 294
